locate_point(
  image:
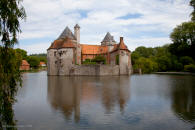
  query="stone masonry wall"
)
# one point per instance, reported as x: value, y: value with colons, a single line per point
x: 124, y: 58
x: 94, y: 70
x: 113, y: 57
x: 52, y: 68
x: 60, y: 61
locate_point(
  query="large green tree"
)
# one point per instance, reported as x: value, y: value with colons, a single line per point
x: 22, y: 53
x: 11, y: 12
x: 183, y: 37
x: 192, y: 3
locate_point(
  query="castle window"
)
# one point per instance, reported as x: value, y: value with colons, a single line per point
x: 60, y: 53
x: 117, y: 60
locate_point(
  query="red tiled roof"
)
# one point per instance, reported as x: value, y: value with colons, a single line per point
x: 120, y: 46
x: 62, y: 43
x: 42, y: 63
x: 94, y: 49
x: 24, y: 62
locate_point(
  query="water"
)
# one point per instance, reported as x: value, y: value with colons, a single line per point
x: 137, y: 102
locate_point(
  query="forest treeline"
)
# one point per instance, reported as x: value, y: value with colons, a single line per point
x: 160, y: 59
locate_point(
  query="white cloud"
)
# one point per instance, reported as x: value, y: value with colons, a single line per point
x: 47, y: 18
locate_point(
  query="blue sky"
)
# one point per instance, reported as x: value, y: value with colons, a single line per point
x: 140, y: 22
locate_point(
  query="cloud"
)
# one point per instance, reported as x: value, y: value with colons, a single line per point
x: 146, y: 23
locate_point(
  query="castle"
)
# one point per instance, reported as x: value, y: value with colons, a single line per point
x: 66, y: 56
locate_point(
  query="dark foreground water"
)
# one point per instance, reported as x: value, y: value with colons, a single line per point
x: 137, y: 102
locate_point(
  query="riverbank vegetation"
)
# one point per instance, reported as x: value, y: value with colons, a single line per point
x: 160, y: 59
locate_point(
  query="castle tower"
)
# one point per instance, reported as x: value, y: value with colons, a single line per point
x: 124, y: 58
x: 108, y: 40
x: 77, y: 32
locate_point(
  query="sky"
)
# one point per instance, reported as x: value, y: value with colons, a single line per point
x: 141, y: 22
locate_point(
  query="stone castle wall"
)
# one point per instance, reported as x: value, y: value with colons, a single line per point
x: 94, y: 70
x: 60, y: 61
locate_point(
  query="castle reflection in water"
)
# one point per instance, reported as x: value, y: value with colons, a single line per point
x: 67, y: 93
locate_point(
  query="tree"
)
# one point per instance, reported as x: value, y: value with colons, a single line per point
x: 11, y: 12
x: 144, y: 52
x: 33, y: 61
x: 22, y: 53
x: 183, y: 37
x: 192, y: 3
x: 147, y: 65
x: 186, y: 60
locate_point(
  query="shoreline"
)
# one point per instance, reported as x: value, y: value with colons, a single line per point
x: 175, y: 73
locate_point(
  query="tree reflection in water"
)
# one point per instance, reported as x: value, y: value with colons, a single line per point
x: 183, y: 99
x: 66, y: 93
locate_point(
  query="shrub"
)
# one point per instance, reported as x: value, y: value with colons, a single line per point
x: 99, y: 59
x: 189, y: 68
x: 146, y: 64
x: 186, y: 60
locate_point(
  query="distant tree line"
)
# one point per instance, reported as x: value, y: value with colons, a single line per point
x: 33, y: 59
x: 160, y: 59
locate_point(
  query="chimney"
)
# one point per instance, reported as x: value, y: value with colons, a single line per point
x: 121, y: 39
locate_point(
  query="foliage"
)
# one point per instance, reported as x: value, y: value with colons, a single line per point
x: 147, y: 65
x: 159, y: 60
x: 40, y: 57
x: 22, y: 53
x: 11, y: 12
x: 189, y: 68
x: 99, y: 59
x: 192, y: 3
x: 183, y: 40
x: 145, y: 52
x: 88, y: 62
x: 186, y: 60
x: 33, y: 61
x: 9, y: 75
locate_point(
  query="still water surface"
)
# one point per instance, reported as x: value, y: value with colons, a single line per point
x: 137, y: 102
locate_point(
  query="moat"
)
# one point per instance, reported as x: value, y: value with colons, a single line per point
x: 137, y: 102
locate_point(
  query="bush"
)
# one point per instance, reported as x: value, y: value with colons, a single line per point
x: 189, y: 68
x: 146, y: 64
x: 99, y: 59
x: 186, y: 60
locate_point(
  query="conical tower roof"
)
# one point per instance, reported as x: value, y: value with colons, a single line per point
x: 122, y: 45
x: 67, y: 33
x: 108, y: 38
x: 76, y: 26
